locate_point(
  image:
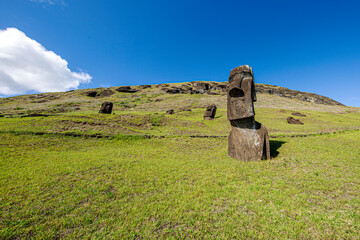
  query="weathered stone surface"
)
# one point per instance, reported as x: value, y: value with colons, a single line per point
x: 106, y: 108
x: 145, y: 86
x: 292, y: 120
x: 91, y: 93
x: 173, y: 90
x: 210, y: 112
x: 298, y: 114
x: 171, y: 111
x: 105, y: 93
x: 248, y: 139
x: 126, y: 89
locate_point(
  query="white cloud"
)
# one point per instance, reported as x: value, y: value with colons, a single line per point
x: 25, y: 65
x: 51, y: 2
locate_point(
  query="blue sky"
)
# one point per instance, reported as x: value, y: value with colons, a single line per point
x: 311, y: 46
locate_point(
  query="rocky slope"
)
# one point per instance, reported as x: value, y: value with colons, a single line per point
x: 201, y: 87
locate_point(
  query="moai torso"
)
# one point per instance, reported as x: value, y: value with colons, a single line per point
x: 248, y: 139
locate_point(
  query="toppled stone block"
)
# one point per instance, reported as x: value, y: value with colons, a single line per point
x: 185, y: 109
x: 297, y: 114
x: 292, y: 120
x: 105, y: 93
x: 106, y: 108
x: 145, y: 86
x: 210, y: 112
x: 127, y: 89
x: 91, y: 93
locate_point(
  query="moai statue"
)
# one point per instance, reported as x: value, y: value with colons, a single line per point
x: 248, y: 139
x: 210, y: 112
x: 106, y: 107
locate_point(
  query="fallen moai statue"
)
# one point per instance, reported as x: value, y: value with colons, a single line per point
x: 248, y: 139
x: 298, y: 114
x: 106, y: 108
x: 126, y: 89
x: 292, y: 120
x: 210, y: 112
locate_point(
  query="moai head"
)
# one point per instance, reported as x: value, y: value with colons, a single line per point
x: 106, y: 108
x: 241, y: 93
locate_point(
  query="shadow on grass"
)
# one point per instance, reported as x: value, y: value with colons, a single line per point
x: 274, y: 146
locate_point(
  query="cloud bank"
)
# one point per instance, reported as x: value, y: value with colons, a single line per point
x: 25, y: 65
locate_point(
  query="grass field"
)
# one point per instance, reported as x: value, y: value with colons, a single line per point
x: 141, y: 174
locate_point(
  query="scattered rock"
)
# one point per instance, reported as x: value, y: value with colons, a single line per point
x: 210, y: 112
x: 185, y: 109
x: 1, y: 115
x: 173, y: 90
x: 126, y: 89
x: 159, y: 100
x: 292, y: 120
x: 91, y: 93
x: 202, y: 85
x: 106, y: 108
x: 105, y: 93
x: 145, y: 86
x: 171, y: 111
x: 294, y: 94
x: 77, y: 109
x: 298, y: 114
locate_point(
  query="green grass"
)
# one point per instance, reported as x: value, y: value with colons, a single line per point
x: 142, y: 174
x: 66, y: 187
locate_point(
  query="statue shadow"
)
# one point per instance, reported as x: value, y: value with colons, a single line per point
x: 274, y: 146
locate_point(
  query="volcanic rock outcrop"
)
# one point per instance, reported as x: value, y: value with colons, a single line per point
x: 248, y: 139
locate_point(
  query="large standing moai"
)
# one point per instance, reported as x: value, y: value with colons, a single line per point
x: 248, y: 139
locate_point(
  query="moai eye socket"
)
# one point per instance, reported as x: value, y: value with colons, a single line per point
x: 236, y: 92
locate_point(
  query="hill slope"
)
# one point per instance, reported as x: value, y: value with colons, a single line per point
x: 68, y: 172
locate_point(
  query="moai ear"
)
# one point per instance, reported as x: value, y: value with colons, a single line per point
x: 253, y: 91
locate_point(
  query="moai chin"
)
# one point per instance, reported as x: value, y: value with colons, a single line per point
x: 248, y: 139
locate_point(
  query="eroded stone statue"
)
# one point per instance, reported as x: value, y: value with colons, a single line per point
x: 210, y: 112
x: 106, y: 108
x: 248, y: 139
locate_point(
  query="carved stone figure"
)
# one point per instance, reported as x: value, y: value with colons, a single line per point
x: 106, y: 107
x: 292, y: 120
x: 210, y: 112
x: 248, y: 139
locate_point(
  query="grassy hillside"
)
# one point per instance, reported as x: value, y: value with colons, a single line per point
x: 141, y: 174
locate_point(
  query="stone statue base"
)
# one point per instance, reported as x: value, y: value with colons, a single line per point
x: 248, y: 140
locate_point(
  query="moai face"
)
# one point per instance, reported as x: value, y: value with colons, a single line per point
x: 241, y: 93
